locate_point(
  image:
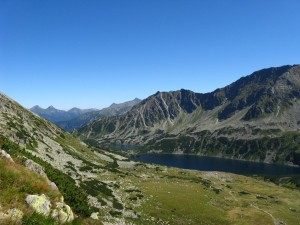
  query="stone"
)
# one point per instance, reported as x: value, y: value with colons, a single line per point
x: 6, y: 155
x: 62, y: 212
x: 53, y: 185
x: 40, y: 203
x: 12, y: 214
x: 33, y: 166
x: 95, y: 216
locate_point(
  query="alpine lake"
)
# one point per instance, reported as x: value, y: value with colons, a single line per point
x: 207, y: 163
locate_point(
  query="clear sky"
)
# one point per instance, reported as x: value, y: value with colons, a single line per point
x: 91, y: 53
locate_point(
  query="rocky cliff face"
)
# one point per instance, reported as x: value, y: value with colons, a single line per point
x: 265, y: 104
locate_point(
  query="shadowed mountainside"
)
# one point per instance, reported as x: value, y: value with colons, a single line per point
x: 242, y: 120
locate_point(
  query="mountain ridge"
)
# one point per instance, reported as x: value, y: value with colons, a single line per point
x: 55, y: 115
x: 85, y: 118
x: 264, y: 104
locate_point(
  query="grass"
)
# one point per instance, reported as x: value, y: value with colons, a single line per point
x: 74, y: 195
x: 181, y: 203
x: 38, y: 219
x: 16, y: 182
x: 193, y: 197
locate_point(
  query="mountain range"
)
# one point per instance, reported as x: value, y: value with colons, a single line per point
x: 46, y: 174
x: 75, y: 117
x: 55, y: 115
x: 254, y: 118
x: 83, y: 119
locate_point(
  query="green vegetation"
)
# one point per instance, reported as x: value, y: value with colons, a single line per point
x: 16, y: 182
x: 38, y: 219
x: 285, y: 148
x: 95, y: 188
x: 74, y: 195
x: 290, y: 181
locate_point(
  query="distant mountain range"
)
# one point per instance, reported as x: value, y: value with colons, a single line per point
x: 255, y: 118
x: 75, y: 117
x: 54, y: 115
x: 83, y: 119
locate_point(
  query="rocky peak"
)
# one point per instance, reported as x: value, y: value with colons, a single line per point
x: 260, y: 95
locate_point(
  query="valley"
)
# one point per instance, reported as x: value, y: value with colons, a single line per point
x: 103, y: 186
x: 149, y: 112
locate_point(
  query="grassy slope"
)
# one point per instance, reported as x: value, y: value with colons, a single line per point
x: 160, y: 195
x: 16, y: 182
x: 191, y: 197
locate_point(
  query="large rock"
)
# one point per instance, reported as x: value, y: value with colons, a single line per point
x: 4, y: 154
x: 62, y: 212
x: 40, y: 203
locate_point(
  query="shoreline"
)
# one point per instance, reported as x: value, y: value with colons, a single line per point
x: 211, y: 156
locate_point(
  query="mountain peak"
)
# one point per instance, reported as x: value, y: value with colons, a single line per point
x: 51, y: 107
x: 36, y: 107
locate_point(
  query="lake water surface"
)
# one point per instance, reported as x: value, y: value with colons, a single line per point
x: 205, y: 163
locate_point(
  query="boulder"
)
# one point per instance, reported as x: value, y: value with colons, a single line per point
x: 12, y: 214
x: 40, y: 203
x: 4, y: 154
x: 53, y: 185
x: 62, y: 212
x: 95, y: 216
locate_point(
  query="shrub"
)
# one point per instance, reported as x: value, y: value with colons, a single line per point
x: 73, y: 195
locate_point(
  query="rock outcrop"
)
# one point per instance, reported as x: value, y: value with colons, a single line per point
x: 35, y: 167
x: 4, y: 154
x: 62, y: 212
x: 14, y: 214
x: 40, y: 203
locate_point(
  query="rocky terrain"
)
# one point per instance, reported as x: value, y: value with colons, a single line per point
x: 255, y: 118
x: 40, y: 163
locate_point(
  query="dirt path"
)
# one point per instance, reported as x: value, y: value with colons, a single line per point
x: 275, y: 221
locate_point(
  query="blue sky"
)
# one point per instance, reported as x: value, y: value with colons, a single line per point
x: 92, y: 53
